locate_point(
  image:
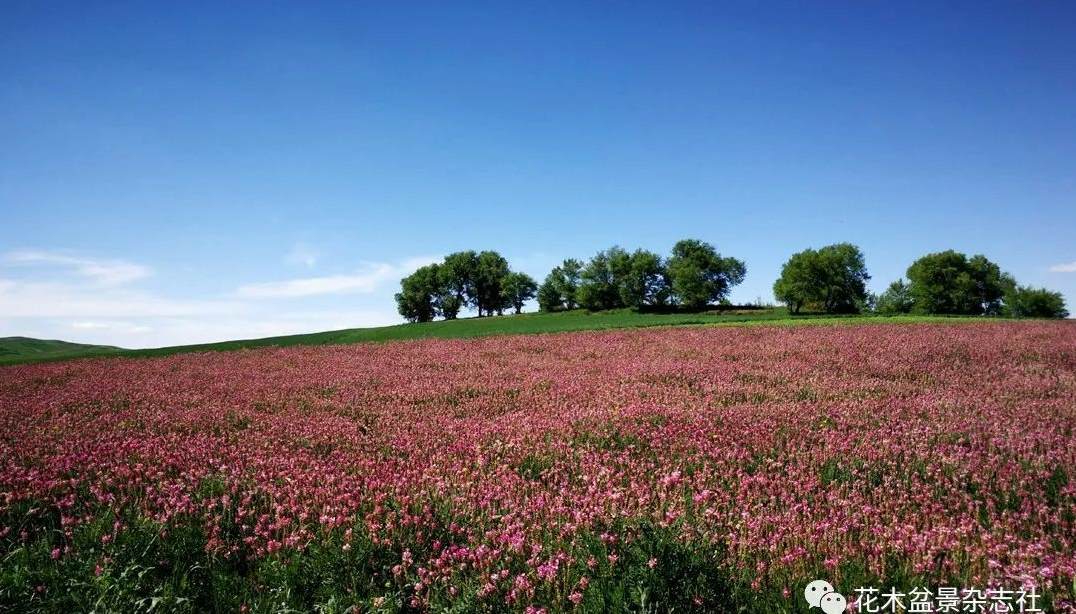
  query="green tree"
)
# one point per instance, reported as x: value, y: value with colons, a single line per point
x: 548, y: 297
x: 643, y: 282
x: 449, y: 305
x: 559, y: 290
x: 1028, y: 302
x: 571, y: 272
x: 831, y: 279
x: 698, y: 275
x: 601, y: 279
x: 490, y: 271
x: 897, y: 298
x: 420, y: 294
x: 458, y: 274
x: 518, y: 288
x: 950, y: 283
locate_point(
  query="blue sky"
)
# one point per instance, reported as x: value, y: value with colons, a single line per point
x: 195, y: 172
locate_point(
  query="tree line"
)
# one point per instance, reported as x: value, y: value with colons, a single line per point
x: 693, y: 276
x: 481, y: 280
x: 831, y: 279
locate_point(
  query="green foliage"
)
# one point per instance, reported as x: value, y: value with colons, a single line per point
x: 832, y: 279
x: 896, y: 299
x: 1028, y: 302
x: 150, y: 567
x: 558, y: 291
x: 657, y: 570
x: 951, y: 283
x: 614, y: 279
x: 490, y: 272
x: 601, y: 279
x: 548, y: 298
x: 699, y: 276
x: 420, y: 294
x: 458, y: 273
x: 643, y: 281
x: 461, y: 279
x: 518, y: 288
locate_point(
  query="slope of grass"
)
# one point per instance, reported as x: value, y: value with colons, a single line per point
x: 500, y: 325
x: 17, y: 349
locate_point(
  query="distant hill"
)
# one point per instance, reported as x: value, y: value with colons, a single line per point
x: 19, y: 349
x: 15, y: 350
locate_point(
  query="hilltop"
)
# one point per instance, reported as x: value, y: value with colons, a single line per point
x: 28, y: 349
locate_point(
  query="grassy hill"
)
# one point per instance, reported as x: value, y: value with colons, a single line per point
x: 462, y: 328
x: 24, y: 349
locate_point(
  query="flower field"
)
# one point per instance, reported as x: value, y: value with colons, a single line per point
x: 715, y: 469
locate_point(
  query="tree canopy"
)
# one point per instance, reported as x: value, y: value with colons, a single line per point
x: 951, y: 283
x: 463, y: 279
x: 698, y: 275
x: 518, y: 288
x: 558, y: 291
x: 601, y: 279
x: 832, y: 279
x: 895, y: 300
x: 420, y: 294
x: 1028, y: 302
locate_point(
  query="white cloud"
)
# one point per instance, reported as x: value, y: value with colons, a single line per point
x: 1068, y: 267
x: 183, y: 331
x: 20, y: 299
x: 122, y: 327
x: 94, y: 301
x: 104, y: 272
x: 369, y: 279
x: 302, y: 254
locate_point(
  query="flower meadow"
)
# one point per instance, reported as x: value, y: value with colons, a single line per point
x: 688, y: 469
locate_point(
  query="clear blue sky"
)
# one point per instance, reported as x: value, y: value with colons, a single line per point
x: 190, y: 172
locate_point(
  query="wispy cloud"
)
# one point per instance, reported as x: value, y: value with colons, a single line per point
x: 302, y: 254
x: 371, y: 277
x: 100, y: 301
x: 1068, y: 267
x: 103, y: 272
x: 119, y: 327
x: 21, y: 299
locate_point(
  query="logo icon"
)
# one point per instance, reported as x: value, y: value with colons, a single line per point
x: 820, y: 594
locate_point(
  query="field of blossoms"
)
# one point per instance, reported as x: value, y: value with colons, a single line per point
x: 689, y: 469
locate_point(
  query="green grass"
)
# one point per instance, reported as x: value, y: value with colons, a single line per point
x: 530, y: 323
x: 18, y: 349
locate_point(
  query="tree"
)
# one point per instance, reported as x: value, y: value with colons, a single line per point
x: 571, y: 271
x: 831, y: 279
x: 989, y: 284
x: 458, y: 274
x: 601, y: 279
x: 643, y: 282
x: 1028, y: 302
x: 897, y: 298
x: 698, y: 275
x: 449, y: 305
x: 490, y: 270
x: 518, y: 288
x: 548, y: 297
x: 420, y: 294
x: 949, y: 283
x: 559, y: 290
